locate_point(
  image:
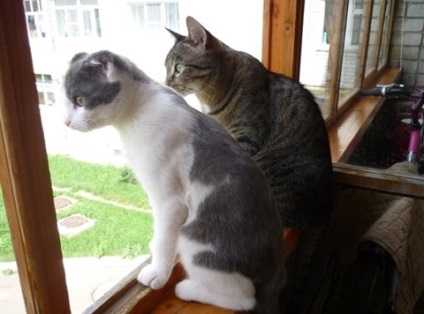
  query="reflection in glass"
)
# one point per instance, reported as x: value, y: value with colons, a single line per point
x: 350, y: 69
x: 384, y: 47
x: 315, y: 50
x: 373, y: 39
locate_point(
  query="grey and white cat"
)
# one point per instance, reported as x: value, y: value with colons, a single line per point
x: 211, y: 203
x: 273, y: 118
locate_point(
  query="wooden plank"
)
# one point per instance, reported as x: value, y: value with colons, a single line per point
x: 128, y: 296
x: 24, y: 172
x: 282, y: 36
x: 375, y: 179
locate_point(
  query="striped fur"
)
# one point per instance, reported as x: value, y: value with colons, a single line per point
x: 274, y: 118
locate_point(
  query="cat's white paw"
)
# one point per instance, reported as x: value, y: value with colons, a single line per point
x: 188, y: 290
x: 151, y: 277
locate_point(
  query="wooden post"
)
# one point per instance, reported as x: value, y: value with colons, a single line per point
x: 282, y: 36
x: 24, y: 173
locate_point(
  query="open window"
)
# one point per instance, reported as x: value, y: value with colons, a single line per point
x: 347, y: 43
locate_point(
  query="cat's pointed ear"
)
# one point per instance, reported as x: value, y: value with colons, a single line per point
x: 175, y: 34
x: 200, y: 36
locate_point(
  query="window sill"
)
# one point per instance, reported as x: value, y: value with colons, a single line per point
x: 346, y: 132
x: 128, y: 296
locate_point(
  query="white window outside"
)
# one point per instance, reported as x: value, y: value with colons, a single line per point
x: 34, y: 18
x: 151, y: 16
x: 77, y: 18
x: 45, y: 89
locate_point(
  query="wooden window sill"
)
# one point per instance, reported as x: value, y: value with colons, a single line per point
x: 348, y: 129
x: 128, y: 296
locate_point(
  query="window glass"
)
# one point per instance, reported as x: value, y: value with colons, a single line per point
x: 384, y: 47
x: 373, y: 39
x: 88, y: 2
x: 315, y: 48
x: 352, y: 47
x: 78, y: 18
x: 87, y: 23
x: 139, y: 34
x: 45, y: 88
x: 34, y: 17
x: 65, y: 2
x: 11, y: 296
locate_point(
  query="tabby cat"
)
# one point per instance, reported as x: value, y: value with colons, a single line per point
x: 211, y: 202
x: 274, y: 118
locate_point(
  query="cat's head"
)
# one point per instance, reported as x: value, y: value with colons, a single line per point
x: 193, y: 60
x: 91, y: 87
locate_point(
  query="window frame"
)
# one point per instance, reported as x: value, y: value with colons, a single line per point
x: 45, y: 89
x: 283, y: 21
x: 80, y: 10
x: 24, y: 172
x: 149, y: 25
x: 38, y: 16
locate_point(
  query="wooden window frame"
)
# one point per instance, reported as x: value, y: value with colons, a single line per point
x: 282, y: 38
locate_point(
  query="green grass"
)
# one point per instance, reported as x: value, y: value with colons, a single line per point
x: 102, y: 180
x: 117, y: 230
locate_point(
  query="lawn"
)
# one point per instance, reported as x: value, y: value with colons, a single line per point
x: 117, y: 230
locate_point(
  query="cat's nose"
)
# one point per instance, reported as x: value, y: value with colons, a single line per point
x: 67, y: 122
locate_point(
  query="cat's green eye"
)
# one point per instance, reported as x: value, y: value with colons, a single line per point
x: 80, y: 100
x: 179, y: 68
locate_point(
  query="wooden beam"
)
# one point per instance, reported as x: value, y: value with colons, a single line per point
x: 24, y: 172
x: 378, y: 180
x: 282, y: 36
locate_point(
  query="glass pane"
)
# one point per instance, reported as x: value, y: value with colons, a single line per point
x: 138, y: 15
x: 65, y: 2
x: 11, y: 299
x: 62, y: 28
x: 27, y: 5
x: 373, y: 40
x: 34, y: 5
x: 73, y: 16
x: 97, y: 21
x: 47, y: 79
x: 316, y: 49
x: 87, y: 2
x: 41, y: 100
x: 123, y: 228
x: 50, y: 98
x: 172, y: 17
x: 350, y: 69
x: 86, y: 15
x: 73, y: 23
x: 384, y: 47
x: 153, y: 16
x: 32, y: 26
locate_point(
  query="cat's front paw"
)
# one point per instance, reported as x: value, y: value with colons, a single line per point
x: 151, y: 277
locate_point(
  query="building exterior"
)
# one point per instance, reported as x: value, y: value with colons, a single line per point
x: 58, y: 29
